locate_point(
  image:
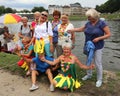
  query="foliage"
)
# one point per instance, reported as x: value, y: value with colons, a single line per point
x: 40, y: 9
x: 109, y: 7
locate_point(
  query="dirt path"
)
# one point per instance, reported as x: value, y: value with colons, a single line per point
x: 14, y: 85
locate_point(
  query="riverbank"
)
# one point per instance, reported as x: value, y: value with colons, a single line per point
x: 14, y: 83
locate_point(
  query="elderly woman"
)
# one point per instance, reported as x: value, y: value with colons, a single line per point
x: 67, y: 79
x: 55, y: 22
x: 25, y: 28
x: 43, y: 35
x: 63, y: 35
x: 95, y: 30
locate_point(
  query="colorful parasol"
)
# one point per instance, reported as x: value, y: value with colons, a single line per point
x: 10, y: 18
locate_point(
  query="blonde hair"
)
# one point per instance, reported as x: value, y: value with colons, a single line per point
x: 37, y: 13
x: 26, y: 39
x: 93, y: 13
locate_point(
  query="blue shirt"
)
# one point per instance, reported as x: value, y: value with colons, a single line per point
x: 93, y: 31
x: 40, y: 65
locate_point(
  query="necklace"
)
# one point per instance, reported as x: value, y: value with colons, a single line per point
x: 67, y: 67
x: 62, y: 28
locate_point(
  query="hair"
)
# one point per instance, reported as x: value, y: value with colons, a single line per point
x: 64, y: 15
x: 26, y: 39
x: 44, y: 12
x: 37, y: 12
x: 93, y: 13
x: 25, y: 18
x: 67, y: 44
x: 56, y: 12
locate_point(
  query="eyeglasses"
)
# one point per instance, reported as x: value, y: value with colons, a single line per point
x: 44, y: 15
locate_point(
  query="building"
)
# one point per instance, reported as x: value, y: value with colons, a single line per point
x: 72, y: 9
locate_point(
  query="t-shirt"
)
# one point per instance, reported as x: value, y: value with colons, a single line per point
x: 94, y: 31
x: 63, y: 35
x: 40, y: 31
x: 2, y: 31
x: 25, y: 31
x: 40, y: 65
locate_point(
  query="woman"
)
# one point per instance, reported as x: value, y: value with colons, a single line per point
x: 63, y: 35
x: 55, y: 22
x: 43, y: 34
x: 36, y: 21
x: 24, y: 28
x: 95, y: 30
x: 66, y: 79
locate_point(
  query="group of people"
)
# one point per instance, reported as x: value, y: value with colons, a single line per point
x: 46, y: 47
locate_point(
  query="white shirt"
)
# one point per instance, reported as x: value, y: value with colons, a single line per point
x: 41, y: 31
x: 66, y: 36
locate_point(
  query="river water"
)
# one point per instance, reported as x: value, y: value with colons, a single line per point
x: 111, y: 52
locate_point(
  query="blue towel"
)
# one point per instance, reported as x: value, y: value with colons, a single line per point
x: 89, y: 51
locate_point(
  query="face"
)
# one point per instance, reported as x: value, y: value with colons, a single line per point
x: 56, y: 17
x: 64, y: 20
x: 37, y: 16
x: 24, y: 21
x: 66, y: 51
x: 43, y: 16
x: 91, y: 19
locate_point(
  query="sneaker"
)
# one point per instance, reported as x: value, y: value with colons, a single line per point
x: 51, y: 87
x: 34, y: 87
x: 98, y: 83
x: 86, y: 77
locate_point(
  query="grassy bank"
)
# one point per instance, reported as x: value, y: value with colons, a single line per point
x: 108, y: 16
x: 110, y: 85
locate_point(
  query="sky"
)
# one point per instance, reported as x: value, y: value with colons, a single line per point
x: 30, y: 4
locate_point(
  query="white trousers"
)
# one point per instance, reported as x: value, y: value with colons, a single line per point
x: 98, y: 64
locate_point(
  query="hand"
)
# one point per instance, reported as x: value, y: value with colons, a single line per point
x: 92, y: 66
x: 96, y: 40
x: 42, y: 59
x: 70, y: 31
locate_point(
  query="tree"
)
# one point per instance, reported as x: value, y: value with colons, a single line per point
x: 8, y: 10
x: 2, y: 10
x: 40, y: 9
x: 109, y: 6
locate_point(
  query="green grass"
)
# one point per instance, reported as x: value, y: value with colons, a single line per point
x: 9, y: 62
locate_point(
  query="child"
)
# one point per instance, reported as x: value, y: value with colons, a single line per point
x: 26, y: 52
x: 66, y: 79
x: 41, y: 67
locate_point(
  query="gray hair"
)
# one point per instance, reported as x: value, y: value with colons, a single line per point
x: 93, y: 13
x: 24, y: 18
x: 67, y: 44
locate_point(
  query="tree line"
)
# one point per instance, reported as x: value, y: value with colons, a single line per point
x: 4, y: 10
x: 110, y: 6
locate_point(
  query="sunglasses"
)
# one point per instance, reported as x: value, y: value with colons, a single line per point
x: 44, y: 15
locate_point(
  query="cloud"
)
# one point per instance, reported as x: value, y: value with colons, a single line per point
x: 29, y: 4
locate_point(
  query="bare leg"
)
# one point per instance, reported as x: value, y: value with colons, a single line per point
x: 50, y: 76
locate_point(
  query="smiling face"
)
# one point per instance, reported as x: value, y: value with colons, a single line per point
x: 44, y: 16
x: 66, y: 51
x: 64, y: 19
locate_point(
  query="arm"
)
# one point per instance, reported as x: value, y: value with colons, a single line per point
x: 83, y: 66
x: 32, y: 40
x: 81, y: 29
x: 27, y: 55
x: 20, y: 35
x: 107, y: 34
x: 56, y: 61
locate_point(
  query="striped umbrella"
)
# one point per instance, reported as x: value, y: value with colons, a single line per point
x: 10, y: 18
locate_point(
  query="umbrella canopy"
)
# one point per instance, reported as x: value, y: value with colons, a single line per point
x: 10, y: 18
